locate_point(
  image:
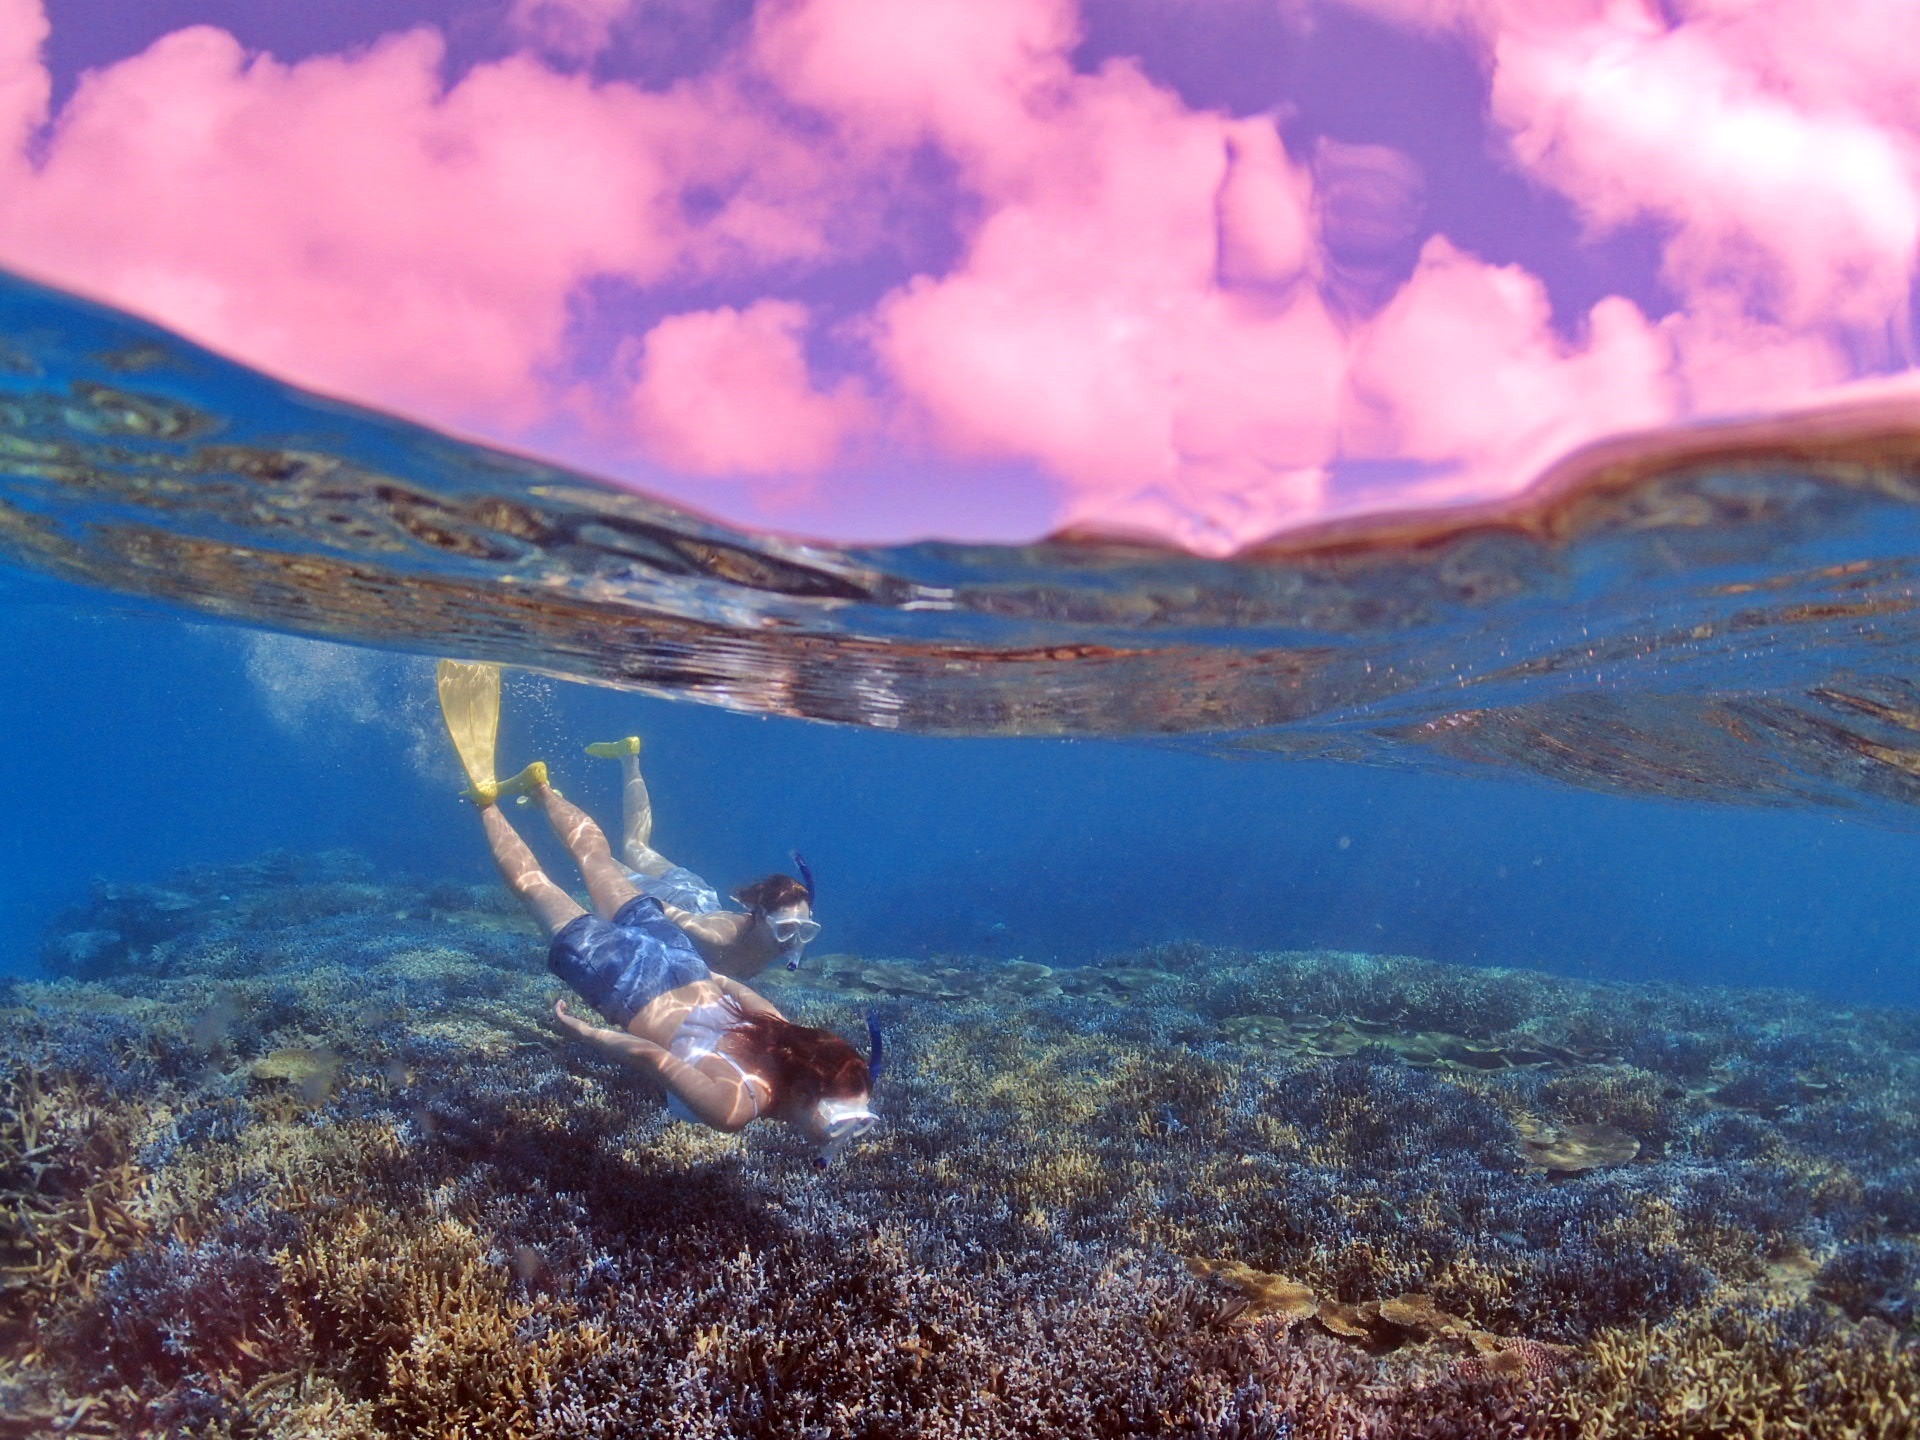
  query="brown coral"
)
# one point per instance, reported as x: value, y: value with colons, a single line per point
x: 1768, y: 1375
x: 420, y: 1324
x: 68, y: 1191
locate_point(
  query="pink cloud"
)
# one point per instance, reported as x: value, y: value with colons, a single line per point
x: 575, y: 30
x: 1095, y: 323
x: 24, y: 83
x: 1843, y: 56
x: 1809, y: 215
x: 1089, y: 326
x: 1187, y: 328
x: 1729, y: 363
x: 727, y: 392
x: 353, y: 224
x: 967, y: 75
x: 1778, y: 143
x: 1463, y: 367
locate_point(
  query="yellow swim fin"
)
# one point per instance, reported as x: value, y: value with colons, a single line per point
x: 527, y: 781
x: 614, y: 749
x: 470, y: 704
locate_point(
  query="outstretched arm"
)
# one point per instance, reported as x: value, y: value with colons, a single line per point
x: 724, y: 1104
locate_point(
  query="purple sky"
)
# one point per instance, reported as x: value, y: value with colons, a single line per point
x: 865, y: 269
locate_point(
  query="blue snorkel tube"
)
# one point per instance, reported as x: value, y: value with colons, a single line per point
x: 806, y: 879
x: 876, y: 1051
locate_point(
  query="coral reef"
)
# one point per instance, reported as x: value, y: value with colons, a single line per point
x: 297, y: 1153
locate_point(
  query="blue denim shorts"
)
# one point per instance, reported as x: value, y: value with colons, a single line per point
x: 621, y: 966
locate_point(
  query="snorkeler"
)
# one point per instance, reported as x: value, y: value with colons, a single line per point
x: 778, y: 922
x: 725, y: 1055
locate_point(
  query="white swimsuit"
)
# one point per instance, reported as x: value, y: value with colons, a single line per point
x: 699, y: 1036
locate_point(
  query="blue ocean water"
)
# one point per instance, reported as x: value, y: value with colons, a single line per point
x: 1739, y: 634
x: 137, y: 744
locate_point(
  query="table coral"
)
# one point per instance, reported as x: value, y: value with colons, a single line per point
x: 1570, y: 1149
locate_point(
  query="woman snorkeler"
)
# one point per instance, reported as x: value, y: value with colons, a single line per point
x: 725, y: 1055
x: 778, y: 922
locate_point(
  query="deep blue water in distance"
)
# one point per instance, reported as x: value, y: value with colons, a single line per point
x: 135, y: 745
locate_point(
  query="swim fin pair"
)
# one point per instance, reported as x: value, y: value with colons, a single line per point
x: 470, y: 704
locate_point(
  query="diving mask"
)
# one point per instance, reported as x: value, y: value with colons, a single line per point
x: 794, y: 930
x: 841, y: 1123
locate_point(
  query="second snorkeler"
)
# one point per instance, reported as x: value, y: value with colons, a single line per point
x: 777, y: 923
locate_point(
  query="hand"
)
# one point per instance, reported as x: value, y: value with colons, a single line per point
x: 573, y: 1022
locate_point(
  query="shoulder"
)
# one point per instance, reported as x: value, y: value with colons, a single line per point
x: 723, y: 927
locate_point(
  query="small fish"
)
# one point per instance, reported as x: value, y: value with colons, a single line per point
x: 210, y: 1031
x: 314, y: 1073
x: 529, y: 1265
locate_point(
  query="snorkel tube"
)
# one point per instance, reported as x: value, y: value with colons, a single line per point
x: 876, y: 1051
x: 806, y: 879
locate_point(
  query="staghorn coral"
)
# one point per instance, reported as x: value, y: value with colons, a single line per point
x: 1766, y: 1373
x: 68, y: 1196
x: 425, y: 1327
x: 474, y: 1228
x: 208, y: 1312
x: 1880, y: 1279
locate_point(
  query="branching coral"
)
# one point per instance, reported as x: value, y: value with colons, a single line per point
x: 68, y: 1194
x: 425, y: 1328
x: 210, y: 1313
x: 344, y: 1178
x: 1765, y: 1374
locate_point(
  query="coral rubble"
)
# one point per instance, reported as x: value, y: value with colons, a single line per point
x: 285, y: 1151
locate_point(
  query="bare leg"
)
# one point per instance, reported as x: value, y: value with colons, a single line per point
x: 546, y: 901
x: 606, y: 878
x: 636, y: 814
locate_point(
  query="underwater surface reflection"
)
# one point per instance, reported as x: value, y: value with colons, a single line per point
x: 291, y: 1145
x: 1725, y: 613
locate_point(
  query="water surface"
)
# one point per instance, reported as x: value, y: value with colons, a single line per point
x: 1720, y: 614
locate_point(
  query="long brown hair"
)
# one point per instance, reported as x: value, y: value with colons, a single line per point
x: 798, y: 1062
x: 772, y: 892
